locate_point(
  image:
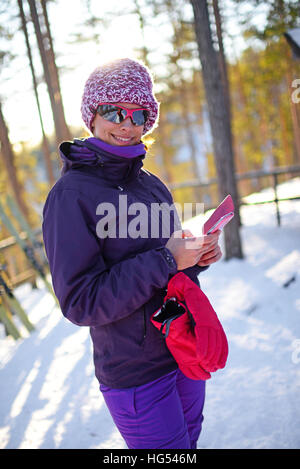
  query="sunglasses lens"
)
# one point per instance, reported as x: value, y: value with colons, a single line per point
x: 116, y: 114
x: 109, y: 113
x: 139, y: 117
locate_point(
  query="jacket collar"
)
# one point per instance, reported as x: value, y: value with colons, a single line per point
x: 118, y: 164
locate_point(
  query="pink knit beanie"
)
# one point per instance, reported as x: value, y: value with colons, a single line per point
x: 123, y: 80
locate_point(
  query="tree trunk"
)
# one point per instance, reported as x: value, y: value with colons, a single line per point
x: 143, y: 49
x: 46, y: 146
x: 8, y: 159
x: 44, y: 41
x: 295, y: 121
x: 219, y: 122
x: 221, y: 55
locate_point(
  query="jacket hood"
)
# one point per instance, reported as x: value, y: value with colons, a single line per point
x: 114, y: 163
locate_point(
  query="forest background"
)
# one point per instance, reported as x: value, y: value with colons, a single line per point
x: 40, y: 96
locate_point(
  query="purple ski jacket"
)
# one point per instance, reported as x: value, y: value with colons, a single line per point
x: 112, y: 284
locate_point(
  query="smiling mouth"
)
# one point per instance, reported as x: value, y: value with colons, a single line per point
x: 122, y: 139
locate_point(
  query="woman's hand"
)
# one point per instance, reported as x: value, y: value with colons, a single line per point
x: 189, y: 250
x: 210, y: 257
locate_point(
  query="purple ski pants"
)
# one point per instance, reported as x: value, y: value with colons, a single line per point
x: 163, y: 414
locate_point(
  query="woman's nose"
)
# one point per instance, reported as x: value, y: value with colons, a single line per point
x: 126, y: 123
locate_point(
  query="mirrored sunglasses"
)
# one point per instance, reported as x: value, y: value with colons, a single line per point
x: 118, y: 114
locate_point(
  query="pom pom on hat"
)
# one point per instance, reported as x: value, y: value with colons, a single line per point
x: 123, y: 80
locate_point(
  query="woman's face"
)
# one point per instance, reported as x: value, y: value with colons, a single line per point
x: 123, y: 134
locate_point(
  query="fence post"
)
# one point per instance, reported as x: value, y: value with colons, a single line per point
x: 275, y: 183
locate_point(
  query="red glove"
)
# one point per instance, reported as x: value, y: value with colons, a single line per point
x: 203, y: 348
x: 211, y: 341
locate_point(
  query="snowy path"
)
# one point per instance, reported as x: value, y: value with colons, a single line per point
x: 50, y: 398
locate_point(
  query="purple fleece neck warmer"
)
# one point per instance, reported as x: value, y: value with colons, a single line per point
x: 131, y: 151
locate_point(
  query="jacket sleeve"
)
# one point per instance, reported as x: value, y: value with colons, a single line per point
x: 193, y: 272
x: 89, y: 293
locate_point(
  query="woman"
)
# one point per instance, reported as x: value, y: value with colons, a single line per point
x: 111, y: 279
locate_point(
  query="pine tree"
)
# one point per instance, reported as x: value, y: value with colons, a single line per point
x: 45, y: 44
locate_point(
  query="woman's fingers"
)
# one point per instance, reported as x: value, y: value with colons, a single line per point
x: 189, y: 250
x: 210, y: 257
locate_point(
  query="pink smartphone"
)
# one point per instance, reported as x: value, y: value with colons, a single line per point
x: 220, y: 217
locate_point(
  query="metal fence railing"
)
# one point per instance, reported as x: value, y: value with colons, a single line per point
x: 274, y: 175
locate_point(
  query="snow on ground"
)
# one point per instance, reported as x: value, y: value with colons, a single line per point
x: 50, y: 397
